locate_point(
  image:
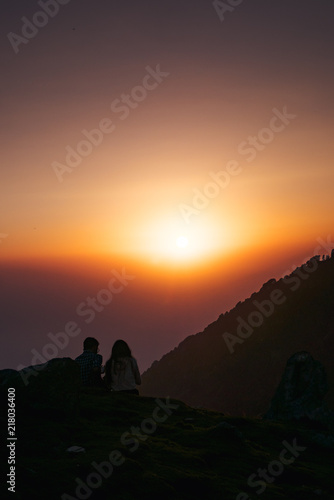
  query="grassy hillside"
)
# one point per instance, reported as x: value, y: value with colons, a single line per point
x: 192, y: 454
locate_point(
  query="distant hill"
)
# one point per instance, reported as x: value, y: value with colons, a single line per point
x: 236, y: 363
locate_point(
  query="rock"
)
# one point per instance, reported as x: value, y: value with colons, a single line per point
x: 301, y: 392
x: 76, y: 449
x: 53, y: 385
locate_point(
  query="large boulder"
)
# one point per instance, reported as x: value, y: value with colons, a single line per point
x: 53, y: 385
x: 301, y: 392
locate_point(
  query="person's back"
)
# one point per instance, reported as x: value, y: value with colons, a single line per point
x: 90, y: 363
x: 124, y: 374
x: 121, y: 371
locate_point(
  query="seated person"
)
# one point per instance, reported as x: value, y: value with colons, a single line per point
x: 121, y: 371
x: 90, y: 363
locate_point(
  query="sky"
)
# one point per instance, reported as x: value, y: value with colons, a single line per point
x: 180, y: 152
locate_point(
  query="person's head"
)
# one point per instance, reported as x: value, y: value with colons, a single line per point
x: 120, y: 349
x: 91, y: 344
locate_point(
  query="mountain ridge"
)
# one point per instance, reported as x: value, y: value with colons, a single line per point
x: 235, y: 364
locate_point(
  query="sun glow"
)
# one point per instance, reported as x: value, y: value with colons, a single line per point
x: 170, y: 239
x: 182, y: 242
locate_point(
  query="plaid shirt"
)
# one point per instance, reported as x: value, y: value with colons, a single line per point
x: 87, y: 361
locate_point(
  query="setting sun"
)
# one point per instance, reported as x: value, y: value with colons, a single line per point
x: 165, y: 239
x: 182, y: 242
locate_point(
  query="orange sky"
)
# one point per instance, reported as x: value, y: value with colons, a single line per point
x: 246, y: 102
x: 129, y: 199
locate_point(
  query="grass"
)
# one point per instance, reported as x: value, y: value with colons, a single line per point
x: 186, y: 457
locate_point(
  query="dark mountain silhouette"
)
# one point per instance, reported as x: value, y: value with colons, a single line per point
x: 235, y: 364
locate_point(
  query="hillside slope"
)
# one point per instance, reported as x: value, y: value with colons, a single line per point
x: 137, y: 448
x: 236, y: 363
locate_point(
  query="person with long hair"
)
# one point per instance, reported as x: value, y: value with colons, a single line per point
x: 121, y: 370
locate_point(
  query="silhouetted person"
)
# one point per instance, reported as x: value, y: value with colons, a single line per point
x: 121, y: 371
x: 90, y: 363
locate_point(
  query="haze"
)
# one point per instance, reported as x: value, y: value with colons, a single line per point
x: 129, y: 128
